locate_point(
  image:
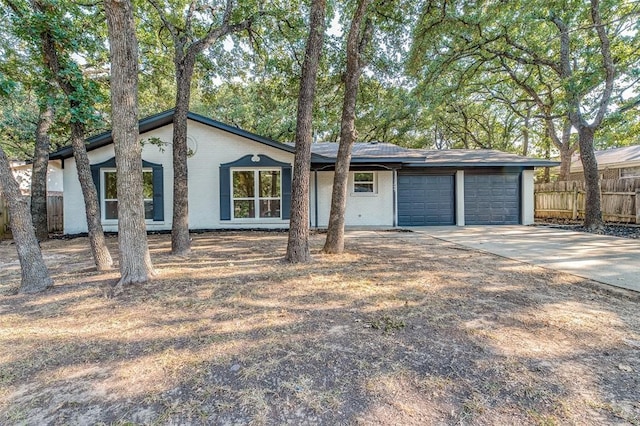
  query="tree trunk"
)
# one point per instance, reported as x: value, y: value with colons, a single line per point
x: 565, y: 163
x: 298, y: 243
x: 180, y: 240
x: 135, y: 261
x: 74, y: 94
x: 593, y: 211
x: 99, y: 249
x: 39, y: 174
x: 35, y: 275
x: 525, y: 133
x: 334, y: 244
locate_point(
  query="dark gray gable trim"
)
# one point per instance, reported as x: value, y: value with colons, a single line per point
x: 166, y: 117
x: 247, y: 161
x: 158, y: 183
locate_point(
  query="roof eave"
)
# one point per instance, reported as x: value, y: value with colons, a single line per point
x: 162, y: 119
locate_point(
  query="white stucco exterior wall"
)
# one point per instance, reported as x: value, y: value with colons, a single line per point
x: 211, y: 148
x: 528, y: 197
x: 362, y: 209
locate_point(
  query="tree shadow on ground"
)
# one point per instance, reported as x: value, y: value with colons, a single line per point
x: 391, y: 333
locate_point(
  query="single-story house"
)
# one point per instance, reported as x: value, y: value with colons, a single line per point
x: 613, y: 163
x: 238, y: 179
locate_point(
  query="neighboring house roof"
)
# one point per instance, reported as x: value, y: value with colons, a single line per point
x: 325, y: 153
x: 608, y: 158
x: 162, y: 119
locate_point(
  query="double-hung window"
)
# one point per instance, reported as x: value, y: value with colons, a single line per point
x: 364, y: 182
x: 256, y: 193
x: 109, y: 198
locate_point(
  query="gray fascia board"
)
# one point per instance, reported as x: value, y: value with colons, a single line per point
x: 161, y: 119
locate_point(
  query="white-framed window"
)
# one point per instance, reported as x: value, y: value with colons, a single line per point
x: 109, y: 195
x: 256, y: 193
x: 364, y: 183
x: 630, y: 172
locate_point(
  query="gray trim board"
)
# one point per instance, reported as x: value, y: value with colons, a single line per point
x: 166, y: 117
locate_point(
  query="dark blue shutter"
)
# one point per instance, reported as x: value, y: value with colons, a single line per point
x: 253, y: 161
x: 286, y: 192
x: 158, y: 184
x: 225, y: 192
x: 158, y: 193
x: 95, y: 174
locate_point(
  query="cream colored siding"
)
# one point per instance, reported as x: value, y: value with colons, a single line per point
x: 363, y: 209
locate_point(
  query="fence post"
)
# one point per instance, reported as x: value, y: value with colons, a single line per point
x: 574, y: 204
x: 638, y: 206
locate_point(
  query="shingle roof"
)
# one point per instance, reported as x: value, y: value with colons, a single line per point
x: 366, y: 152
x: 608, y: 157
x: 325, y: 152
x: 480, y: 156
x: 369, y: 150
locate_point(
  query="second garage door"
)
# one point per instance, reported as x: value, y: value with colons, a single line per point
x: 492, y: 199
x: 425, y: 200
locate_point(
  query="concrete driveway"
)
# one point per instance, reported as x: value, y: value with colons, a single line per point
x: 610, y: 260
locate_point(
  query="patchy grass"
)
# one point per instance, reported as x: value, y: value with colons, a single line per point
x: 403, y: 329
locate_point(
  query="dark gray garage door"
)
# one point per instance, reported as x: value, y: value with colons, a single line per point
x: 425, y: 200
x: 491, y: 199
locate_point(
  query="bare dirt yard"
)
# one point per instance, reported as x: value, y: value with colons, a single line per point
x: 404, y: 329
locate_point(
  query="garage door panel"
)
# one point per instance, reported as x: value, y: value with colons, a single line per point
x: 425, y: 200
x: 492, y: 199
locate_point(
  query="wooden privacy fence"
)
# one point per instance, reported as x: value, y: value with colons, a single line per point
x: 4, y: 217
x: 565, y: 200
x: 54, y: 215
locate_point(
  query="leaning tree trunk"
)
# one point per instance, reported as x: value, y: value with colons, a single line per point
x: 98, y: 243
x: 74, y: 94
x: 180, y: 241
x: 135, y: 261
x: 356, y: 42
x: 39, y: 174
x: 298, y: 243
x: 592, y: 210
x: 35, y: 275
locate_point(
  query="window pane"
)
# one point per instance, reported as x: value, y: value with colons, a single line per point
x: 363, y: 187
x: 111, y: 209
x: 269, y: 183
x: 110, y: 185
x: 243, y: 209
x: 269, y: 208
x: 148, y: 209
x: 363, y: 177
x: 243, y: 184
x: 147, y: 185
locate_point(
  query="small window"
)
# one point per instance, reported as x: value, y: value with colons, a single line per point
x: 364, y: 182
x: 256, y: 194
x: 109, y: 197
x: 630, y: 172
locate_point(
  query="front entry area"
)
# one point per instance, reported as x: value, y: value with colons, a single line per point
x: 425, y: 200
